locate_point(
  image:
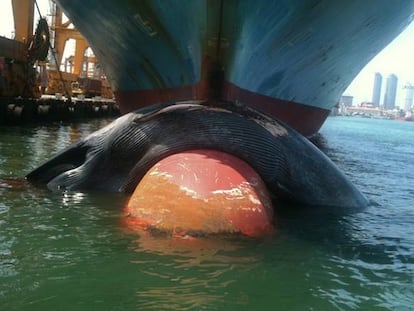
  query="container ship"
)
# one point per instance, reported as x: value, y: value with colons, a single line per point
x: 290, y: 58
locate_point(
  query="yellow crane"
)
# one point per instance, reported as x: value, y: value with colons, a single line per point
x: 23, y: 13
x: 25, y: 49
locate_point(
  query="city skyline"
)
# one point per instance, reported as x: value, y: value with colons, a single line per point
x: 396, y: 58
x: 384, y: 94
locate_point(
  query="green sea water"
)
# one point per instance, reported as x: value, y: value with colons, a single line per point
x: 73, y: 250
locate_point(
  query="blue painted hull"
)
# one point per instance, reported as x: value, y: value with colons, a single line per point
x: 293, y: 58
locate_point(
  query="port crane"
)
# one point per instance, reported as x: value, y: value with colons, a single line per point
x: 31, y: 62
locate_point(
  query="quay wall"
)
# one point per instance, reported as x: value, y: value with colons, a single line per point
x: 27, y: 110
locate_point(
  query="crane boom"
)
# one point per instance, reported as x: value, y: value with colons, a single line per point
x: 23, y: 13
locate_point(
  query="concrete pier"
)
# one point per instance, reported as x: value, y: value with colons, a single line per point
x: 54, y: 109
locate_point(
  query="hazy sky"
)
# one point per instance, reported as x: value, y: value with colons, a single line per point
x: 397, y: 57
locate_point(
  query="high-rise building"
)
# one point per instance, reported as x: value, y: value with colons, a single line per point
x: 376, y: 92
x: 408, y: 96
x: 390, y: 92
x: 346, y: 100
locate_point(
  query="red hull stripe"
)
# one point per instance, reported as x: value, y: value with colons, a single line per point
x: 305, y: 119
x: 132, y: 100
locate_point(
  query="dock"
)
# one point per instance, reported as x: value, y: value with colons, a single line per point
x: 48, y: 108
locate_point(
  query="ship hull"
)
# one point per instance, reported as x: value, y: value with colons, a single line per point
x: 292, y: 59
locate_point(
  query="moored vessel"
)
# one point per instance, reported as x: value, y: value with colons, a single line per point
x: 291, y: 58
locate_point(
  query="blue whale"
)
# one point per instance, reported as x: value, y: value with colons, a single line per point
x: 116, y: 157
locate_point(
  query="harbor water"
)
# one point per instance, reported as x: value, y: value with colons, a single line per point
x: 74, y: 250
